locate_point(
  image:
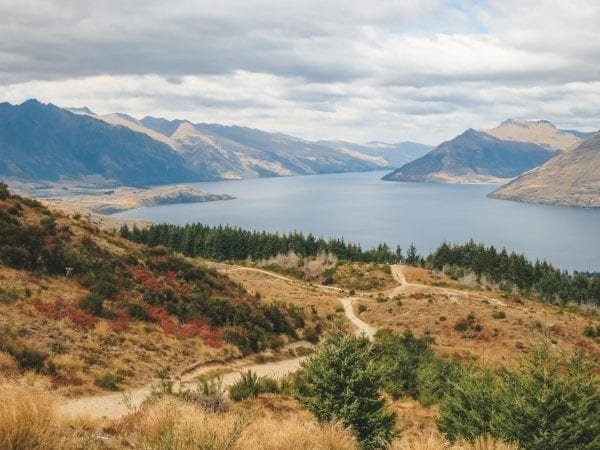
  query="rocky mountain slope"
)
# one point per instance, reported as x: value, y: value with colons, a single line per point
x: 572, y: 179
x: 44, y: 142
x: 473, y: 157
x: 541, y: 132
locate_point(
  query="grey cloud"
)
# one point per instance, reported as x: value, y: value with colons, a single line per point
x: 389, y: 69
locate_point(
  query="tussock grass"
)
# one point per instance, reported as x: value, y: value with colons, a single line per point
x: 169, y: 423
x: 434, y: 442
x: 28, y: 420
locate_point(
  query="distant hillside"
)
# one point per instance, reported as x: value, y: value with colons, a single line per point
x: 241, y: 152
x: 395, y: 155
x: 540, y: 132
x: 473, y: 156
x: 44, y: 142
x: 572, y: 179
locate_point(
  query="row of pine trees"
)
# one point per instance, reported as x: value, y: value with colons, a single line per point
x: 513, y: 271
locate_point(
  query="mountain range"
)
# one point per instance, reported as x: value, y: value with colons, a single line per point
x: 494, y: 155
x: 572, y: 179
x: 44, y: 142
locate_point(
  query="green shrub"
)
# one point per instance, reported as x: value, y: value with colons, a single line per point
x: 250, y: 385
x: 311, y: 335
x: 28, y: 357
x: 4, y: 192
x: 400, y: 358
x: 109, y: 381
x: 499, y: 314
x: 433, y: 378
x: 543, y: 404
x: 208, y: 393
x: 342, y: 383
x: 137, y: 311
x: 362, y: 308
x: 93, y: 303
x: 468, y: 409
x: 591, y: 331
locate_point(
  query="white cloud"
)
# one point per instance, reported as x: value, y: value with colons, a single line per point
x: 389, y: 69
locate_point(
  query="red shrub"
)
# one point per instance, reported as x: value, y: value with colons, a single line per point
x: 61, y: 379
x: 194, y: 328
x: 120, y: 323
x: 557, y: 329
x: 146, y: 278
x: 60, y: 310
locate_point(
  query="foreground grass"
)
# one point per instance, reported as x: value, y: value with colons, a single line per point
x: 28, y: 420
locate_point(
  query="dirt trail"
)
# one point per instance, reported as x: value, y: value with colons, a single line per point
x: 119, y: 404
x: 361, y: 327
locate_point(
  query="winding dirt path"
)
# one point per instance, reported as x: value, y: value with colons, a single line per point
x: 362, y: 328
x: 119, y: 404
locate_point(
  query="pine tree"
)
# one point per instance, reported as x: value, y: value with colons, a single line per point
x: 345, y: 385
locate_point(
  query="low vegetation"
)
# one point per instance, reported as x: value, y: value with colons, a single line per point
x: 115, y: 293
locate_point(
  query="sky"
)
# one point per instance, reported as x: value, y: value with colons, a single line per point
x: 384, y: 70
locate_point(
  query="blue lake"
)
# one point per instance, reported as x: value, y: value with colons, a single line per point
x: 361, y: 208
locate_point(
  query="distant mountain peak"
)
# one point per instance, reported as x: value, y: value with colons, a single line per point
x: 541, y: 132
x: 81, y: 110
x: 526, y: 123
x: 473, y: 156
x: 32, y: 102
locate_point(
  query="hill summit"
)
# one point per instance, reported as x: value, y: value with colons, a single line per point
x: 541, y: 132
x: 474, y: 156
x: 572, y: 179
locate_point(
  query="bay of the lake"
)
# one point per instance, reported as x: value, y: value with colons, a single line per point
x: 361, y: 208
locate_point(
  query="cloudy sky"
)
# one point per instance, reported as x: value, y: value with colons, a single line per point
x: 359, y: 70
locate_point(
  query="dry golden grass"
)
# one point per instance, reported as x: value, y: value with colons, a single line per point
x: 295, y: 293
x: 173, y: 424
x: 28, y: 421
x: 435, y: 311
x: 8, y: 365
x: 435, y: 442
x: 363, y: 276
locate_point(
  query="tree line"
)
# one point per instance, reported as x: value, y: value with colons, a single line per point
x: 513, y: 271
x: 230, y: 243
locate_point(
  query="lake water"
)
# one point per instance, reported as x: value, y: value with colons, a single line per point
x: 361, y: 208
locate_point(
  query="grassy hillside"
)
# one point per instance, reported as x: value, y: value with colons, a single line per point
x: 125, y: 312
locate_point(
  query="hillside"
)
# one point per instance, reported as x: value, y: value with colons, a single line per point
x: 44, y: 142
x: 473, y: 157
x: 167, y: 329
x: 241, y: 152
x: 540, y: 132
x: 571, y: 179
x: 124, y: 312
x: 395, y: 155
